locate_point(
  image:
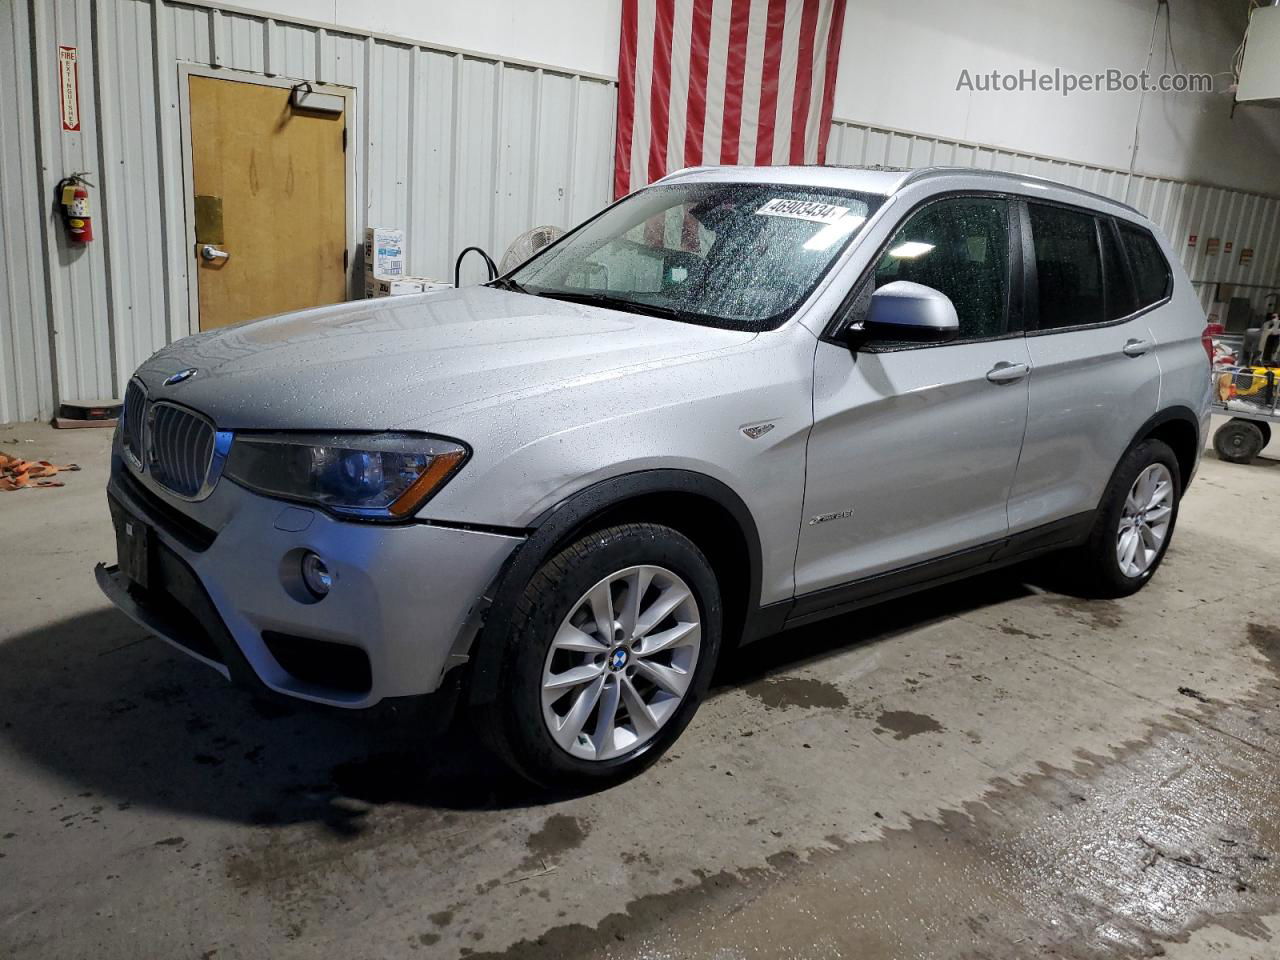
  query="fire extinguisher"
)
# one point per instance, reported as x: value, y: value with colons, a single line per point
x: 73, y: 197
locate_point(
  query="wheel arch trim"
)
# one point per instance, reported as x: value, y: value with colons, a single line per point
x: 1173, y: 414
x: 557, y: 525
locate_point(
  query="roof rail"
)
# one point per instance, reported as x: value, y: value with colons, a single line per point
x: 925, y: 173
x: 881, y: 167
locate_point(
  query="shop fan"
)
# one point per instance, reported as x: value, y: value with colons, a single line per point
x: 526, y: 245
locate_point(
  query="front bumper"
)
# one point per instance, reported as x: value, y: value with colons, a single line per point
x: 406, y: 597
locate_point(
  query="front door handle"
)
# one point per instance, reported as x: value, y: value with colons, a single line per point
x: 210, y: 253
x: 1006, y: 372
x: 1136, y: 348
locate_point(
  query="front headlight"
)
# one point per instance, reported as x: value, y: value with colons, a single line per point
x: 375, y: 476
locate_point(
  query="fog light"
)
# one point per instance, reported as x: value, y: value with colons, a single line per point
x: 316, y: 575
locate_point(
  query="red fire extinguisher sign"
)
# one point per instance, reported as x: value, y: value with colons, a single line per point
x: 69, y: 86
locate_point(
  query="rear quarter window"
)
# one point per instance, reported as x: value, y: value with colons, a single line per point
x: 1151, y: 273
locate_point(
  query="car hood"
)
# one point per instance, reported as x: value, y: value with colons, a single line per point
x: 405, y: 362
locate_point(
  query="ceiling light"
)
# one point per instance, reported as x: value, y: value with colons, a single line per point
x: 910, y: 250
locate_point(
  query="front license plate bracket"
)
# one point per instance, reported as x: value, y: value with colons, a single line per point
x: 133, y: 548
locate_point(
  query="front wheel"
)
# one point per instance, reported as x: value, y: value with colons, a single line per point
x: 608, y: 655
x: 1134, y: 523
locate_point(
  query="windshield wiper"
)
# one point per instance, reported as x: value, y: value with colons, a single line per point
x: 621, y: 303
x: 506, y: 283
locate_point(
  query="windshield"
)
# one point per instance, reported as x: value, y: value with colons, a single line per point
x: 740, y: 255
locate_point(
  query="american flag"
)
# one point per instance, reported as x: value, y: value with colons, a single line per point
x: 723, y: 81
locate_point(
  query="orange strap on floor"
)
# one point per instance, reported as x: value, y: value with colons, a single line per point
x: 17, y: 474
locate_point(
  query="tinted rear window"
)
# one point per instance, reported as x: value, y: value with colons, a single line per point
x: 1120, y: 298
x: 1150, y: 269
x: 1068, y: 267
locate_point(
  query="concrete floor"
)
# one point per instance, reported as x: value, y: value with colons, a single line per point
x: 989, y: 770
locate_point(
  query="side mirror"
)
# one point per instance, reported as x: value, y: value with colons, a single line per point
x: 909, y: 312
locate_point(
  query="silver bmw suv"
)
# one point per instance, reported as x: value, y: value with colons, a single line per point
x: 734, y: 402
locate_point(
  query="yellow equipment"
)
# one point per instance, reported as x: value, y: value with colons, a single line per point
x: 1250, y: 397
x: 1252, y: 381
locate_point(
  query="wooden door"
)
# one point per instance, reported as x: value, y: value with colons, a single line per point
x: 270, y: 193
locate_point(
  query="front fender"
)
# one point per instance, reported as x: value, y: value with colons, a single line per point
x: 533, y: 456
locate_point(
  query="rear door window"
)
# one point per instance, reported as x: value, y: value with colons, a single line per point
x: 1151, y: 274
x: 1068, y: 267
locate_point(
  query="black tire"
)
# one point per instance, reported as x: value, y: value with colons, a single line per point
x: 1266, y: 431
x: 514, y: 727
x: 1095, y: 564
x: 1239, y: 440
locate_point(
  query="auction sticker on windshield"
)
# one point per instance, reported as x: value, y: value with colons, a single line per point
x: 803, y: 210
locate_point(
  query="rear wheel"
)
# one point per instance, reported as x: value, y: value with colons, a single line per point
x: 1239, y: 441
x: 1134, y: 524
x: 608, y: 655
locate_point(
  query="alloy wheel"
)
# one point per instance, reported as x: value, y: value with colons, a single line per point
x: 1144, y: 520
x: 621, y: 663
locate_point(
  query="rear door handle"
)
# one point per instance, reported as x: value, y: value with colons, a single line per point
x: 1136, y: 348
x: 1006, y: 372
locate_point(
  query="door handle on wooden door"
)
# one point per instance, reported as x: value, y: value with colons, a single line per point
x: 1006, y: 372
x: 210, y: 253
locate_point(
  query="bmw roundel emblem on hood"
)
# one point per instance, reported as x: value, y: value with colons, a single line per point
x: 180, y: 377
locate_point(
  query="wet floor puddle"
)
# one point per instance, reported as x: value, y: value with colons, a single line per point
x: 783, y: 692
x: 1115, y: 857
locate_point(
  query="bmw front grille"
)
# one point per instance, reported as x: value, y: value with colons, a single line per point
x: 178, y: 447
x: 132, y: 429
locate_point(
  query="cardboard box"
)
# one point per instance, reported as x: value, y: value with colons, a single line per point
x: 428, y: 285
x: 390, y: 286
x: 401, y: 286
x: 383, y: 252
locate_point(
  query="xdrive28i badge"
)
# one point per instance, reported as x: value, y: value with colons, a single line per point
x: 180, y: 377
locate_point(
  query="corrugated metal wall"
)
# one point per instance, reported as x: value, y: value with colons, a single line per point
x: 1246, y: 220
x: 26, y: 377
x: 457, y: 148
